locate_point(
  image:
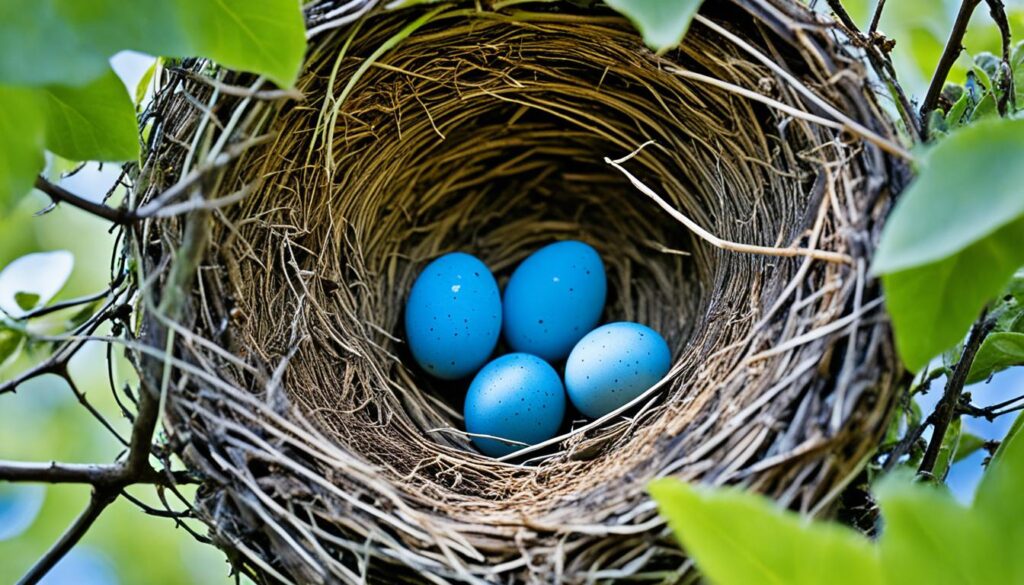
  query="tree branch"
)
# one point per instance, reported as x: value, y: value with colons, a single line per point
x: 61, y: 195
x: 135, y: 468
x: 998, y: 13
x: 946, y: 409
x: 99, y: 502
x: 954, y: 45
x: 876, y: 18
x: 96, y: 474
x: 882, y: 64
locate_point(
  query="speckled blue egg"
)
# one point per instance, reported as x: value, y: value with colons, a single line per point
x: 453, y: 316
x: 554, y: 298
x: 517, y: 397
x: 614, y: 364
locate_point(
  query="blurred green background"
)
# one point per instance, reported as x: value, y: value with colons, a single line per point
x: 43, y: 421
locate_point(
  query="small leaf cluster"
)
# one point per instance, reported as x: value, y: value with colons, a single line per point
x: 737, y: 538
x: 58, y: 92
x: 988, y: 85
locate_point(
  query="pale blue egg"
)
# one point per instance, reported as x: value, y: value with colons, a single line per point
x: 614, y: 364
x: 554, y: 298
x: 453, y: 316
x: 517, y: 397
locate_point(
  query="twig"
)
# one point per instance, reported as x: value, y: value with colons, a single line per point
x: 239, y: 91
x: 876, y: 18
x: 99, y: 502
x: 99, y: 475
x: 998, y: 13
x: 42, y: 311
x: 711, y: 238
x: 949, y: 56
x: 946, y: 409
x: 135, y: 468
x: 992, y: 411
x: 882, y: 64
x: 61, y: 195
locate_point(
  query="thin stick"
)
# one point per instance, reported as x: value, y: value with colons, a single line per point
x: 87, y: 473
x: 98, y: 503
x: 846, y: 126
x: 61, y: 195
x: 998, y: 12
x: 949, y: 56
x: 713, y: 239
x: 945, y: 410
x: 877, y: 18
x: 882, y: 64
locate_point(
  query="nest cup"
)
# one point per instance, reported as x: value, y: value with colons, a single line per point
x: 329, y: 457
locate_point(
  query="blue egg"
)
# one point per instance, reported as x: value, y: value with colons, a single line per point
x: 453, y: 316
x: 517, y: 397
x: 553, y: 299
x: 614, y: 364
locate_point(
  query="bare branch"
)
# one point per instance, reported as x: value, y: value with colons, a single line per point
x: 50, y: 309
x: 946, y: 409
x: 876, y: 18
x: 998, y: 13
x: 61, y: 195
x: 949, y: 56
x: 99, y: 475
x: 877, y: 53
x: 99, y: 502
x: 239, y: 91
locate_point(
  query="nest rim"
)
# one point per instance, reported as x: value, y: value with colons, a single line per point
x: 458, y: 535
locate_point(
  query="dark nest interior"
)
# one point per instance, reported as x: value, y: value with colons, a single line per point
x: 329, y: 457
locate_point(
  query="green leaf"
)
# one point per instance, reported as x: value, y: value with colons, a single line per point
x: 929, y: 538
x: 932, y: 306
x: 663, y: 23
x: 738, y: 538
x: 986, y: 108
x: 1011, y: 436
x: 26, y: 301
x: 972, y: 181
x: 143, y: 86
x: 10, y: 343
x: 82, y: 315
x: 21, y: 144
x: 969, y: 445
x: 999, y: 505
x: 986, y: 66
x: 956, y: 113
x: 42, y: 274
x: 937, y: 124
x: 68, y: 42
x: 1016, y: 288
x: 955, y: 237
x: 265, y: 36
x: 92, y: 122
x: 998, y: 351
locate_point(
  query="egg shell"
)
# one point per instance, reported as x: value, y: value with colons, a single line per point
x: 453, y: 316
x: 614, y: 364
x: 554, y: 298
x: 518, y: 397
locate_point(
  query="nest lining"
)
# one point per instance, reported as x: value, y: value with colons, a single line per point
x: 332, y: 458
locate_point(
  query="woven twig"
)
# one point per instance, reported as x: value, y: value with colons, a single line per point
x: 329, y: 457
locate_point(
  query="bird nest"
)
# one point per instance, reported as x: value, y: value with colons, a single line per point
x: 735, y: 188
